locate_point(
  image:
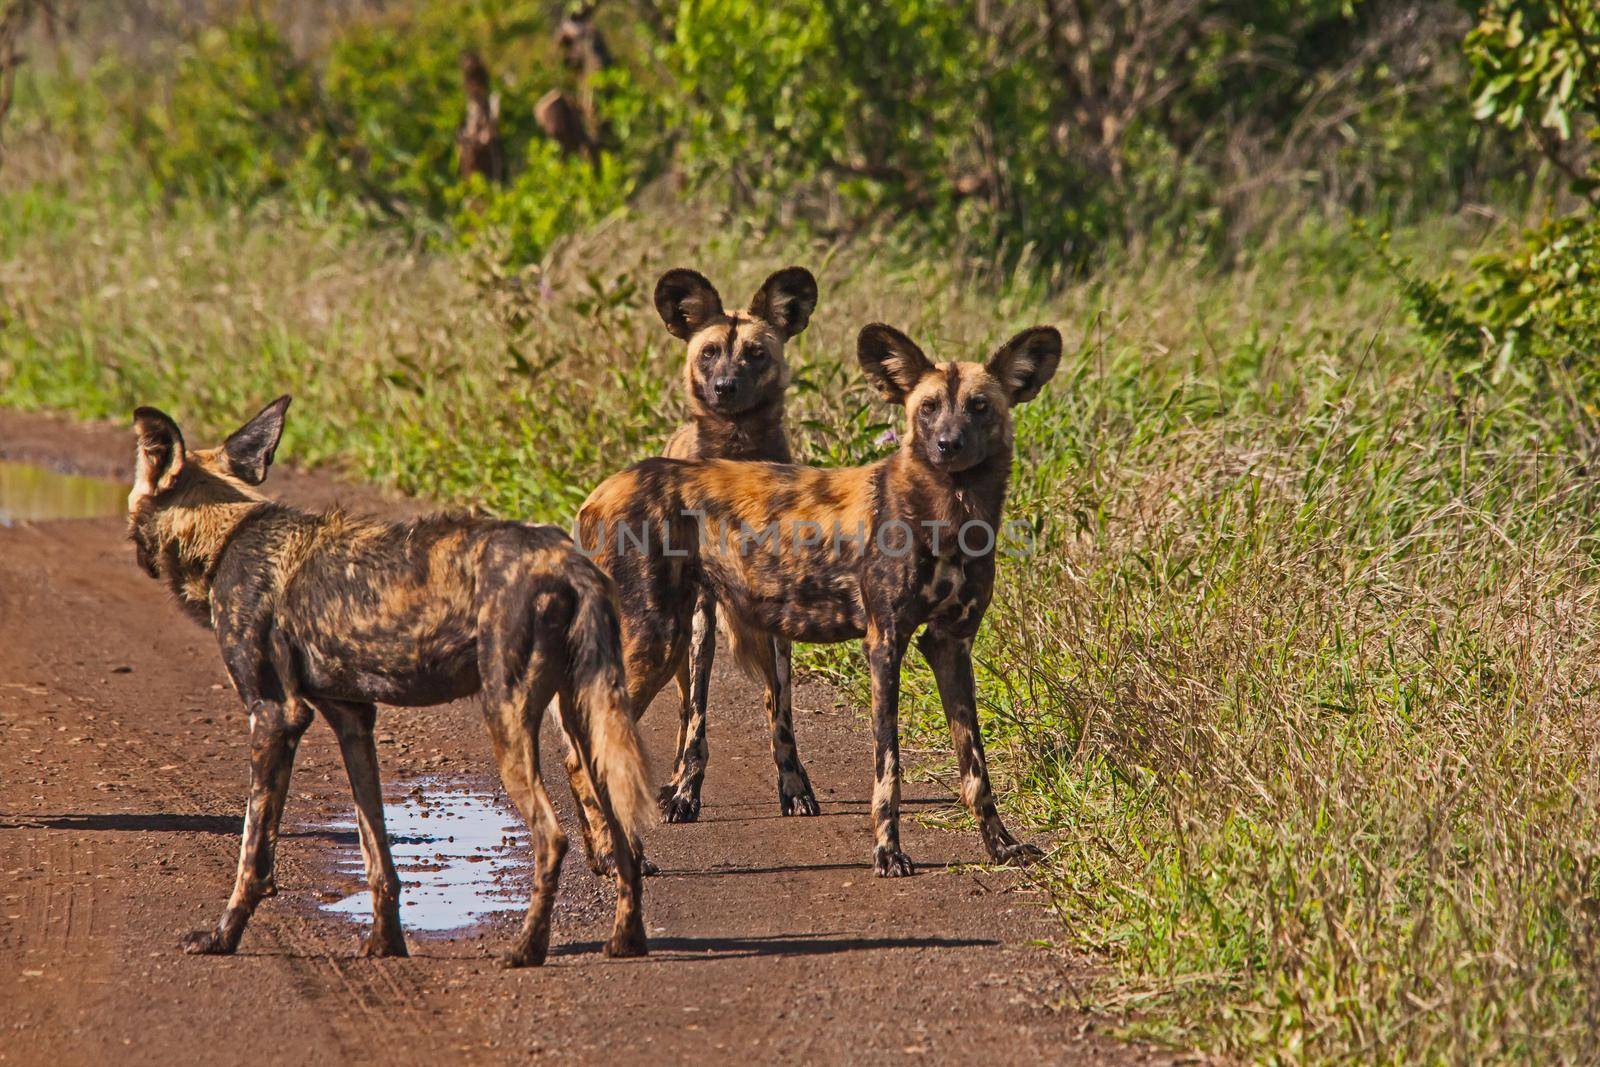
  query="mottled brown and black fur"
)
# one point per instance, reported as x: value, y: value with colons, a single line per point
x: 735, y: 378
x: 322, y: 612
x: 817, y: 555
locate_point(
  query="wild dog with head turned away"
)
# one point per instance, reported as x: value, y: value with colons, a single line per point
x: 873, y: 552
x: 322, y: 612
x: 735, y: 376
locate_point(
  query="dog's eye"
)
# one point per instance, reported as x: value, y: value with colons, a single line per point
x: 753, y: 353
x: 710, y: 352
x: 979, y: 405
x: 929, y: 404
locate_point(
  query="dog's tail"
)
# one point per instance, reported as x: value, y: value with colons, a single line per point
x: 751, y: 646
x: 600, y: 691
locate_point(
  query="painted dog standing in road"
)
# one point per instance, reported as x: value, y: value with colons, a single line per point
x: 808, y: 554
x: 735, y: 376
x: 322, y: 612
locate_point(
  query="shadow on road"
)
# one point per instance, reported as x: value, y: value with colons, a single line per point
x: 143, y: 822
x: 156, y: 822
x: 733, y: 948
x: 864, y: 866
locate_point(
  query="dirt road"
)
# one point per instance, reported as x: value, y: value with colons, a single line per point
x: 122, y: 777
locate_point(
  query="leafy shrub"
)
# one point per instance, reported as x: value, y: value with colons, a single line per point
x: 369, y: 125
x: 1044, y: 131
x: 552, y: 195
x: 239, y: 121
x: 1534, y: 68
x: 1013, y: 130
x: 1533, y: 309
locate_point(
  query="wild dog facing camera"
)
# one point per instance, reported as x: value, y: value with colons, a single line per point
x: 958, y: 414
x: 735, y: 360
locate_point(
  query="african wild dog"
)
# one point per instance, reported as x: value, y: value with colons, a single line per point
x: 332, y: 614
x: 830, y: 555
x: 735, y: 376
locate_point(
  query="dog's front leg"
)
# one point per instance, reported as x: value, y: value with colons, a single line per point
x: 275, y: 730
x: 950, y: 656
x: 885, y: 649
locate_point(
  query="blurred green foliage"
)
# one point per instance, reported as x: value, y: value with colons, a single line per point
x: 550, y: 195
x: 1028, y: 132
x: 1534, y: 63
x: 1533, y: 308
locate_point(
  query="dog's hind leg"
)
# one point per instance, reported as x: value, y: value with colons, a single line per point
x: 680, y: 801
x: 352, y: 724
x: 591, y: 823
x: 625, y: 854
x: 648, y: 648
x: 767, y: 657
x: 685, y: 713
x: 514, y: 731
x: 521, y: 652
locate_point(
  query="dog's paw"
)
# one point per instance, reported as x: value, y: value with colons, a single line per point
x: 383, y: 943
x: 608, y: 866
x: 205, y: 943
x: 680, y: 808
x: 802, y: 803
x: 627, y: 945
x: 891, y: 863
x: 1017, y: 854
x: 522, y: 957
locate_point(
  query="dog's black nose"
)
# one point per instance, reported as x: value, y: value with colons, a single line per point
x: 950, y: 445
x: 724, y: 387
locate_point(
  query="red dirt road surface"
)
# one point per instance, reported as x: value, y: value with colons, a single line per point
x: 122, y: 781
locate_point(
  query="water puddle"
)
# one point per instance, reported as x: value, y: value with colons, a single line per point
x: 30, y: 493
x: 462, y: 856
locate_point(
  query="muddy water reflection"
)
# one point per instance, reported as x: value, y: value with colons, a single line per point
x: 462, y: 855
x: 30, y: 493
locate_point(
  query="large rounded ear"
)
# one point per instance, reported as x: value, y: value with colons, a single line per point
x: 161, y: 451
x: 249, y: 448
x: 1024, y: 363
x: 786, y: 300
x: 893, y: 362
x: 686, y: 302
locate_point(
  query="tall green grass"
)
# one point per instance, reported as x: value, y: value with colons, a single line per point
x: 1301, y: 684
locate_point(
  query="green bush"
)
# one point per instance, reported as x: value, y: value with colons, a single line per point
x: 239, y: 122
x: 1532, y: 310
x: 550, y: 196
x: 1534, y: 67
x: 1011, y: 130
x: 369, y: 125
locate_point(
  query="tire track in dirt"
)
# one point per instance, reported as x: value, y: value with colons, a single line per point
x: 389, y: 1025
x: 390, y: 1006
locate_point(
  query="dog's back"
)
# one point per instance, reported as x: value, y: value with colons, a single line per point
x: 391, y: 610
